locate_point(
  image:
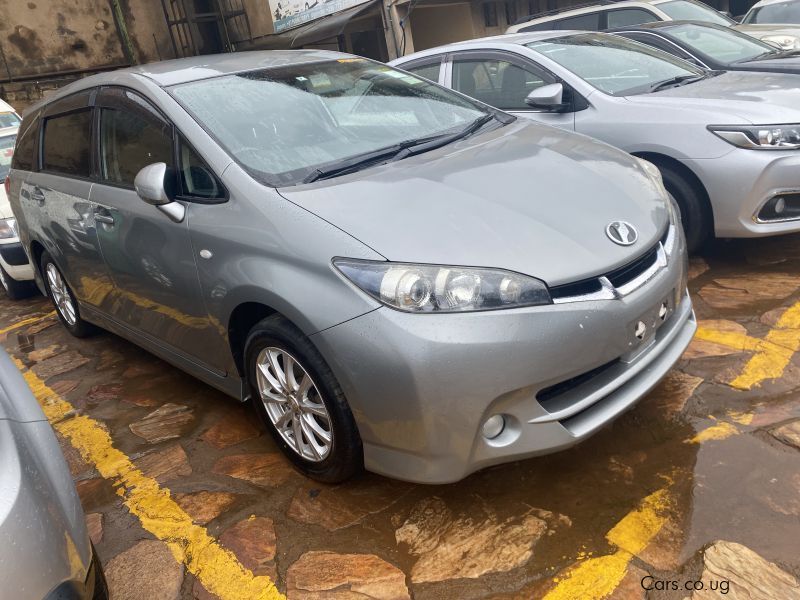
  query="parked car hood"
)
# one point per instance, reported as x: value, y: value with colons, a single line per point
x: 16, y: 401
x: 787, y: 64
x: 524, y: 197
x: 754, y: 98
x: 765, y: 29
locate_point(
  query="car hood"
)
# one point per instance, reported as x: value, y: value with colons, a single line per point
x: 16, y: 401
x: 788, y: 64
x: 754, y: 98
x: 524, y: 197
x: 761, y: 30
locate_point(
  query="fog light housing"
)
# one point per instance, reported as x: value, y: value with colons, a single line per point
x: 493, y: 426
x: 783, y: 207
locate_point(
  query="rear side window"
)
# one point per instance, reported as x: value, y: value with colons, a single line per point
x: 130, y: 141
x: 67, y: 144
x: 625, y: 17
x: 23, y: 155
x: 588, y: 22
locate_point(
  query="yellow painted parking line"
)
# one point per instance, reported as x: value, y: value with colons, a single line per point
x: 772, y: 354
x: 597, y: 578
x: 25, y: 322
x: 215, y: 567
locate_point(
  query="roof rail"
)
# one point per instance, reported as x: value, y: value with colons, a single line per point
x: 563, y: 9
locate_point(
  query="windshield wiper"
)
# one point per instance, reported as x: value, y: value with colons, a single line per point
x: 397, y: 151
x: 675, y: 81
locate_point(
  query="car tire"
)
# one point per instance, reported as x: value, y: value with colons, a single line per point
x: 15, y: 290
x: 294, y: 391
x: 63, y: 299
x: 697, y: 222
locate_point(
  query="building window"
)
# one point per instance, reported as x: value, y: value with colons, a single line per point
x: 511, y: 12
x: 490, y: 14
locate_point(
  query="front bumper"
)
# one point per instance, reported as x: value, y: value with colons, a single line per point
x: 421, y: 386
x: 741, y: 182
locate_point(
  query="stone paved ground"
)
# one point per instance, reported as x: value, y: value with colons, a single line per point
x: 701, y: 481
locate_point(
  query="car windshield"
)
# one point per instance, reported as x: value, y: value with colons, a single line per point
x: 684, y: 10
x: 8, y: 119
x: 776, y: 14
x: 283, y: 124
x: 614, y: 65
x: 6, y: 152
x: 723, y: 45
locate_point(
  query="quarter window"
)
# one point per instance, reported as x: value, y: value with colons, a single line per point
x: 130, y: 141
x: 67, y: 144
x: 429, y: 72
x: 197, y: 179
x: 23, y: 155
x: 498, y: 83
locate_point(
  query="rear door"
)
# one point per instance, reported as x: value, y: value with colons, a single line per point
x: 149, y: 256
x: 504, y: 80
x: 55, y: 197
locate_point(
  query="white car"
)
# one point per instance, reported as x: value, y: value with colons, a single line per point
x: 610, y: 15
x: 16, y: 273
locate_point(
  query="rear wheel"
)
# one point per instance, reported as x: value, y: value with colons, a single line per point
x: 15, y: 290
x: 63, y: 299
x: 695, y: 215
x: 301, y: 403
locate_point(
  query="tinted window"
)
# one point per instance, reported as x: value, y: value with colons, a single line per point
x: 430, y: 72
x: 498, y: 83
x: 587, y: 22
x: 197, y: 179
x: 630, y: 16
x: 784, y: 12
x: 130, y: 141
x: 8, y: 119
x: 23, y: 155
x: 6, y: 152
x: 684, y: 10
x: 67, y: 144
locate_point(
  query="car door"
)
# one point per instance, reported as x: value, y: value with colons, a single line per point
x: 504, y: 80
x: 55, y: 196
x: 148, y: 254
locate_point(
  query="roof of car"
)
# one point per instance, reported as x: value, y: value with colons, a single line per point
x: 183, y: 70
x: 578, y: 9
x: 767, y: 3
x: 664, y: 25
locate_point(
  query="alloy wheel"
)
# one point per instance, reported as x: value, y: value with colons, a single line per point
x: 294, y: 404
x: 60, y: 294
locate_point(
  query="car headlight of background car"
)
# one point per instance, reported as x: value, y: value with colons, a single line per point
x: 8, y: 229
x: 760, y: 137
x: 432, y: 288
x: 785, y: 42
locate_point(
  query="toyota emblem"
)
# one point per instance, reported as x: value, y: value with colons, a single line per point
x: 622, y: 233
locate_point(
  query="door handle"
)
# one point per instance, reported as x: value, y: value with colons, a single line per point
x: 103, y: 215
x: 38, y: 196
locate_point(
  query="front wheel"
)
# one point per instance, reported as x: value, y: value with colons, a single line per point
x: 63, y: 299
x: 301, y: 403
x: 697, y: 222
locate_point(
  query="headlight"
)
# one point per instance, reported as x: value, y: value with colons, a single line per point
x: 786, y: 42
x: 760, y: 137
x: 431, y: 288
x: 8, y: 229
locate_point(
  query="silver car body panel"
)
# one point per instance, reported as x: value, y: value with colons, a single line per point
x: 498, y: 199
x: 674, y: 123
x: 42, y: 530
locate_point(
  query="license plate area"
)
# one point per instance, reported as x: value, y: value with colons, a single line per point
x: 642, y: 331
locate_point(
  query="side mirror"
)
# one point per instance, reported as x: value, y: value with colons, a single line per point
x: 150, y: 184
x: 154, y: 187
x: 548, y: 97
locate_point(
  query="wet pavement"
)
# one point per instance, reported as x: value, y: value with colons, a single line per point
x: 699, y: 482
